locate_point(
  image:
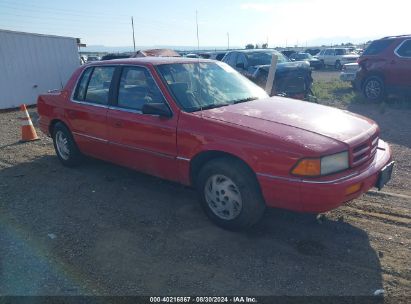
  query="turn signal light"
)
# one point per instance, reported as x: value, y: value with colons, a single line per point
x: 353, y: 188
x: 308, y: 167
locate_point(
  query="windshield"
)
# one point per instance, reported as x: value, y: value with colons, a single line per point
x: 304, y: 56
x: 264, y: 58
x: 201, y: 85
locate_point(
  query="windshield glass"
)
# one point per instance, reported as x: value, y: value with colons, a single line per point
x: 264, y: 58
x: 200, y: 85
x: 304, y: 56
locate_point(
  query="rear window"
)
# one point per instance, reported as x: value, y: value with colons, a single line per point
x: 377, y: 47
x: 405, y: 49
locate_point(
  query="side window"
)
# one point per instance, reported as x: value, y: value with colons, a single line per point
x: 377, y: 46
x: 232, y: 60
x: 329, y: 52
x: 99, y: 85
x: 137, y: 87
x: 405, y: 49
x: 241, y: 59
x: 340, y: 52
x: 80, y: 93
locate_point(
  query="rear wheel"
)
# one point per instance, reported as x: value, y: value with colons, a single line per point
x: 66, y: 148
x: 373, y: 88
x: 230, y: 194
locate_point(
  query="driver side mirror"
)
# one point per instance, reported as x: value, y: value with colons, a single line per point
x: 160, y: 109
x: 240, y: 65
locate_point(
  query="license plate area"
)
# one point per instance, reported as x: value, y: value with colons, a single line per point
x: 385, y: 175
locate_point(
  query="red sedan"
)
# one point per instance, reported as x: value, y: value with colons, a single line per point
x: 200, y: 123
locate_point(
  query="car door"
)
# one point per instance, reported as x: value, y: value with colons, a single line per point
x: 87, y: 111
x: 399, y: 67
x: 329, y: 57
x: 143, y: 142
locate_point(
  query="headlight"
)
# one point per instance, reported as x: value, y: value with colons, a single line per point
x: 321, y: 166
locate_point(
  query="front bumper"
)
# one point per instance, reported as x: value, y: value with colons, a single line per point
x: 320, y: 195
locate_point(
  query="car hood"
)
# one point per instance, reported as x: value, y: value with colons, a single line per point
x: 264, y: 115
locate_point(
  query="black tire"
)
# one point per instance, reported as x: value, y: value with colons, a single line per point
x: 373, y: 88
x: 338, y: 65
x: 252, y: 202
x: 74, y: 155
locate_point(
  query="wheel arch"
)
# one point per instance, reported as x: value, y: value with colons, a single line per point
x: 53, y: 122
x: 373, y: 74
x: 199, y: 160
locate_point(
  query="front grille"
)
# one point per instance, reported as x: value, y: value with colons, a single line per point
x: 364, y: 151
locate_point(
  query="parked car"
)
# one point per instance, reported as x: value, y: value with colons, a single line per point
x: 349, y: 71
x: 115, y: 56
x: 288, y: 53
x: 200, y: 123
x: 213, y: 55
x: 312, y: 51
x: 315, y: 63
x: 291, y: 78
x: 93, y: 58
x: 336, y: 57
x: 385, y: 68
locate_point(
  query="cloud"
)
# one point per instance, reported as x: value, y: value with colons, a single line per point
x: 259, y: 7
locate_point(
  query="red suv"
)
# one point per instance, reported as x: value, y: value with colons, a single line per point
x: 385, y: 68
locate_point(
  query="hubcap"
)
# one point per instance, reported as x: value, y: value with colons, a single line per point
x: 62, y: 145
x: 373, y: 89
x: 223, y: 197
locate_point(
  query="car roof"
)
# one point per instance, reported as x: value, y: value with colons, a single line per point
x: 397, y: 37
x: 254, y: 51
x: 151, y: 61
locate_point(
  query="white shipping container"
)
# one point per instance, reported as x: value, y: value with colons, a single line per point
x: 32, y: 64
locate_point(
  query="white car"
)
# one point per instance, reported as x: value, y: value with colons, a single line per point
x: 336, y: 57
x: 348, y: 72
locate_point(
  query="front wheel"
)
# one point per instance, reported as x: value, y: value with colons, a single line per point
x: 230, y: 194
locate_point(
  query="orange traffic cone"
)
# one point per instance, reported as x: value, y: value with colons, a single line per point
x: 28, y: 133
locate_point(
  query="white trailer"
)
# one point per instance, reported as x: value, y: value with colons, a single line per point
x: 32, y: 64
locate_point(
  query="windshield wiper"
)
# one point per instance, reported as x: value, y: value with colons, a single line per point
x: 244, y: 100
x: 212, y: 106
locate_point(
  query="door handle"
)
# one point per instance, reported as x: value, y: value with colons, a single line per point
x: 393, y: 61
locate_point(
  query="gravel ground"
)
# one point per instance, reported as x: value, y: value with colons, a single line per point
x: 100, y: 229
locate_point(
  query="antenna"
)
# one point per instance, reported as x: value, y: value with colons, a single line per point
x: 228, y: 41
x: 198, y: 55
x: 134, y: 39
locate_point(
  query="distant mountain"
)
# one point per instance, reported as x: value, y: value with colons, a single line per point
x: 120, y: 49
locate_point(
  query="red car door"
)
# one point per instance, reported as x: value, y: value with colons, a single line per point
x: 399, y: 67
x: 143, y: 142
x: 87, y: 113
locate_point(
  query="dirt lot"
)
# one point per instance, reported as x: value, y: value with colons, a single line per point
x: 103, y: 229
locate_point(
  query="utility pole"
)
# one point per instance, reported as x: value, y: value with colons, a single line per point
x: 228, y: 41
x: 198, y: 37
x: 134, y: 39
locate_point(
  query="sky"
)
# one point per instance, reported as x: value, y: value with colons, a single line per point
x: 173, y: 23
